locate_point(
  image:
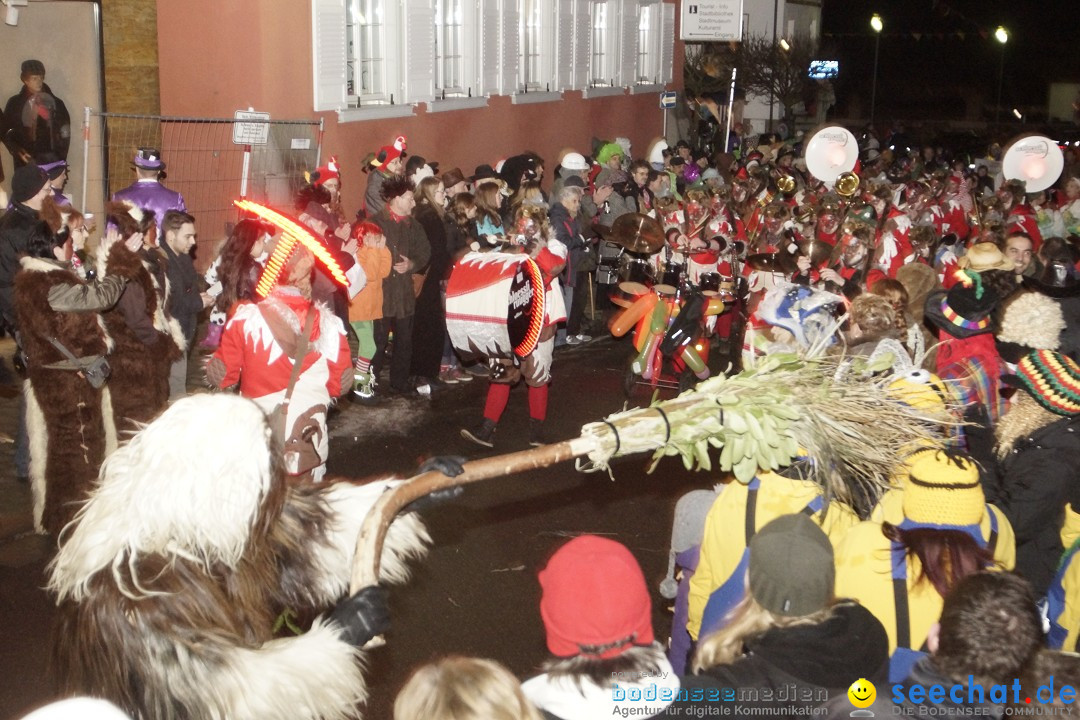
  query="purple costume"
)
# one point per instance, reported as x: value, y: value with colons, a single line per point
x: 151, y: 195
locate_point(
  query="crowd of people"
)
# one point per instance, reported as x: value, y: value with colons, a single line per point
x: 933, y: 271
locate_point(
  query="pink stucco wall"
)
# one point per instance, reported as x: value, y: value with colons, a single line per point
x: 218, y: 57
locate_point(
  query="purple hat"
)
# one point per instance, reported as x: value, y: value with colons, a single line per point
x: 149, y: 159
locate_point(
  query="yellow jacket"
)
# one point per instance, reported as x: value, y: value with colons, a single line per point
x: 1065, y: 608
x: 864, y: 573
x: 724, y: 539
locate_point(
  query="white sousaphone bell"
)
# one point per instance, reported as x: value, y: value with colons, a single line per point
x: 831, y: 152
x: 1035, y: 159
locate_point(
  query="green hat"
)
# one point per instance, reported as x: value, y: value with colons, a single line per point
x: 608, y: 151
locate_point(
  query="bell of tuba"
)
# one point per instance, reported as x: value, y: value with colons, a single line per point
x: 847, y: 184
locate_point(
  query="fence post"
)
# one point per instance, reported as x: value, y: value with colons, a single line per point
x: 85, y: 155
x: 318, y: 147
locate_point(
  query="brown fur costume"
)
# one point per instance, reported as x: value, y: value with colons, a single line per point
x: 139, y: 384
x: 169, y: 583
x: 64, y: 414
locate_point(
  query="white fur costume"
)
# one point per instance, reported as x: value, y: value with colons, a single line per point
x: 170, y: 580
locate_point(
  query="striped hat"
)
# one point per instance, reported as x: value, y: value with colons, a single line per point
x: 1052, y: 379
x: 942, y: 492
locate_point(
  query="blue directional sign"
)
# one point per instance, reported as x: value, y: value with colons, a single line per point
x: 667, y: 100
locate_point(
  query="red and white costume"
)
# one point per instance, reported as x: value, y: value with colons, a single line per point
x: 252, y: 354
x: 894, y: 245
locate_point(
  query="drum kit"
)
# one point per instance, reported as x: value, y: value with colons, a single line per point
x: 639, y: 237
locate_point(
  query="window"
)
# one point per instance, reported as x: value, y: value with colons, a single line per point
x: 533, y: 75
x: 450, y: 55
x: 366, y: 65
x: 601, y: 71
x: 460, y: 51
x: 648, y: 47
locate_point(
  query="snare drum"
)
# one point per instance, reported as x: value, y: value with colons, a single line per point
x: 666, y: 290
x: 636, y: 270
x: 626, y: 292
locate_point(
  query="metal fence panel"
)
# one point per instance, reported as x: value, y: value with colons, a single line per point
x: 202, y: 162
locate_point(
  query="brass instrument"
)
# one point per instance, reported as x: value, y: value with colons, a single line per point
x: 847, y: 185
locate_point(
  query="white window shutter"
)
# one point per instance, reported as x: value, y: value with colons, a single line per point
x: 582, y: 43
x: 328, y: 40
x: 628, y: 43
x: 418, y: 36
x: 564, y: 46
x: 489, y: 47
x: 511, y: 47
x: 667, y: 43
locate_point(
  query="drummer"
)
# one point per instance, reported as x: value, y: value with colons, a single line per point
x: 531, y: 234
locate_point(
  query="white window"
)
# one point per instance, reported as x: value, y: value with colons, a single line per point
x: 536, y: 33
x: 648, y: 51
x: 368, y: 69
x: 452, y: 57
x: 604, y: 46
x: 613, y: 56
x: 359, y: 63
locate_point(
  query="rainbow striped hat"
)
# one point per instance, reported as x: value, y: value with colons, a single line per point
x: 1052, y: 379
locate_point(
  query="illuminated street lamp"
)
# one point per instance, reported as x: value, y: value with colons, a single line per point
x: 877, y: 25
x: 1002, y: 36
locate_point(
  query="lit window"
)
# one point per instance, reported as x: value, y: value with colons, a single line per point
x: 648, y: 48
x: 532, y: 77
x: 366, y: 65
x: 600, y: 70
x: 450, y: 57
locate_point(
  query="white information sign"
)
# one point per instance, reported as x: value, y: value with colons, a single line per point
x: 711, y: 20
x: 247, y: 132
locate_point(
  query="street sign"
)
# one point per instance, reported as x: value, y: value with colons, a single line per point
x: 667, y: 100
x: 251, y: 128
x: 711, y: 20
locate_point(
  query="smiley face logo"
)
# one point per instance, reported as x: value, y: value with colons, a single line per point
x: 862, y: 693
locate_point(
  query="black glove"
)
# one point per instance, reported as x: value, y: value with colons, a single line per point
x: 448, y: 465
x: 363, y: 616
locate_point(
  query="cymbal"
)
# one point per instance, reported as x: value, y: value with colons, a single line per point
x: 637, y: 233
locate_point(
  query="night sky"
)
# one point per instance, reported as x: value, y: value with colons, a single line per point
x: 951, y: 69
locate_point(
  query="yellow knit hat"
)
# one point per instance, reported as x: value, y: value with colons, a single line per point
x: 942, y: 490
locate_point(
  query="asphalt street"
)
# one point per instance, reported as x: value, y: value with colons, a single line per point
x: 476, y: 593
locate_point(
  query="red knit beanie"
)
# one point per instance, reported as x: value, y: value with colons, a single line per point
x: 594, y: 602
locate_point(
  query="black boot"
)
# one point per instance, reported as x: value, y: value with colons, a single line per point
x: 536, y: 433
x: 483, y: 434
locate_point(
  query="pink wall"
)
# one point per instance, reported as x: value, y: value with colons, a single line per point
x: 216, y: 58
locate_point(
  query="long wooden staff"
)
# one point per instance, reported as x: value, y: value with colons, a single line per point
x: 369, y: 542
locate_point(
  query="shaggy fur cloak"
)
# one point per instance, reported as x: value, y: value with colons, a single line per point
x: 192, y: 543
x: 139, y: 383
x: 65, y: 420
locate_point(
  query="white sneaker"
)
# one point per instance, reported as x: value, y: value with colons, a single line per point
x: 583, y: 338
x: 573, y: 339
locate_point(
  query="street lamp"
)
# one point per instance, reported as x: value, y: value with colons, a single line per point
x: 1002, y: 36
x: 876, y: 25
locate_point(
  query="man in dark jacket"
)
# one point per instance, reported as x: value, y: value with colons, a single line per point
x: 410, y: 252
x: 185, y: 301
x: 29, y: 188
x: 35, y: 120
